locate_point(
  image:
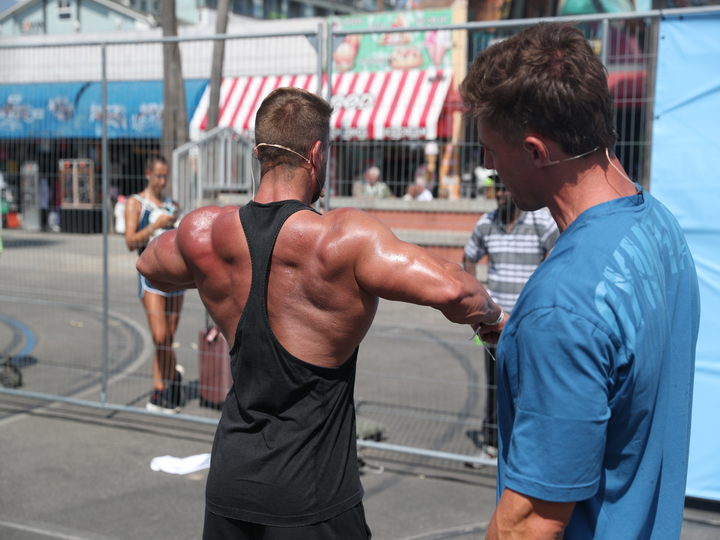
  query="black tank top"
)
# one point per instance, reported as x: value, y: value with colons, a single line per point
x: 284, y: 451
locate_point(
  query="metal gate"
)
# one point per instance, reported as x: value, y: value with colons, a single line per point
x: 70, y: 320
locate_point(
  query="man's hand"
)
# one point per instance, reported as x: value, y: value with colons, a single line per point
x: 490, y: 333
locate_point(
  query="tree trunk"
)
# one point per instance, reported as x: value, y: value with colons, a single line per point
x: 218, y: 55
x: 175, y: 119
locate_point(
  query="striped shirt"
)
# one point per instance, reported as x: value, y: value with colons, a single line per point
x: 514, y: 255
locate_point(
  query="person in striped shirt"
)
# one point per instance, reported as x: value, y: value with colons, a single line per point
x: 515, y: 243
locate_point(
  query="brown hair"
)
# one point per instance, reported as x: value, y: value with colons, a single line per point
x: 545, y: 80
x: 152, y: 159
x: 294, y: 118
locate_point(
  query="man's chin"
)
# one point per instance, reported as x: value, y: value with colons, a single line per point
x: 525, y: 207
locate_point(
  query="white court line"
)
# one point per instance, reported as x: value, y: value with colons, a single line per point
x: 148, y: 349
x: 37, y: 530
x: 453, y: 532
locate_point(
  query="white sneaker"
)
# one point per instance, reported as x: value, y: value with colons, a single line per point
x: 488, y: 454
x: 490, y: 451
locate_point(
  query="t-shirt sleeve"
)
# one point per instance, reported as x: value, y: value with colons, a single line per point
x: 475, y: 246
x: 558, y: 379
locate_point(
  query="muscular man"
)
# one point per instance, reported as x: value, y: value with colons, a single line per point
x: 295, y: 292
x: 595, y: 366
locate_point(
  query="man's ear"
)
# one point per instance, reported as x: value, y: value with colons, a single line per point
x: 316, y: 153
x: 538, y: 151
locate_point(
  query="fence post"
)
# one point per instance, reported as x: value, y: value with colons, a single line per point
x: 327, y: 51
x: 605, y: 42
x: 105, y: 216
x: 650, y: 90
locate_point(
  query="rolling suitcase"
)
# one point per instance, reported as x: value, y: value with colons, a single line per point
x: 215, y: 375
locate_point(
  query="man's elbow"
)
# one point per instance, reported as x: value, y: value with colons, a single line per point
x: 143, y: 265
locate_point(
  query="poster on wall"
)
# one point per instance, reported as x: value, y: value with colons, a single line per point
x: 401, y: 50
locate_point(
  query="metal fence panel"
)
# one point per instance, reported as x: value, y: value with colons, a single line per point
x: 70, y: 317
x: 448, y: 164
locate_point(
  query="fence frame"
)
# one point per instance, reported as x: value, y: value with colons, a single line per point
x: 325, y: 36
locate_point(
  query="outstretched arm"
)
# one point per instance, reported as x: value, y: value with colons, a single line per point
x: 163, y: 264
x: 182, y: 258
x: 390, y: 268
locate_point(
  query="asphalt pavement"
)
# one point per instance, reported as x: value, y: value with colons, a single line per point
x: 83, y: 473
x: 77, y: 473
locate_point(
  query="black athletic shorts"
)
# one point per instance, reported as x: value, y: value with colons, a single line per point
x: 350, y: 525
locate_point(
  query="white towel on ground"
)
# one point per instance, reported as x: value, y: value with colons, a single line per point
x: 176, y: 465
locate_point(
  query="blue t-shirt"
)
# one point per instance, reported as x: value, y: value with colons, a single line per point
x: 595, y: 374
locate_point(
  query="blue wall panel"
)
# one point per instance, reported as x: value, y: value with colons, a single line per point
x: 685, y: 176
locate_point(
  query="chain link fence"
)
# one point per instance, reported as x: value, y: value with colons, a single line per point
x: 70, y: 318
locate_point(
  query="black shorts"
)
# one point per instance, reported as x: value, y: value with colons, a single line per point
x: 350, y: 525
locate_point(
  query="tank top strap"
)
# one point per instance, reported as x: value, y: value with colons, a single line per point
x: 261, y: 224
x: 145, y: 202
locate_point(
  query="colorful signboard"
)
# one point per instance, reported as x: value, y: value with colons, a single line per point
x: 52, y: 110
x: 383, y: 51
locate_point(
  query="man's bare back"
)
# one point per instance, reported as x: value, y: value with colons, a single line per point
x: 326, y: 275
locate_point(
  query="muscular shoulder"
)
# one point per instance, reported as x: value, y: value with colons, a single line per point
x: 337, y: 238
x: 198, y: 228
x: 352, y: 226
x: 202, y: 219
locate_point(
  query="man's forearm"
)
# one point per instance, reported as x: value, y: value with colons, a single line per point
x: 518, y: 517
x: 472, y: 303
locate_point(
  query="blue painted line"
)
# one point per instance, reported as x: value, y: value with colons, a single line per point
x: 30, y: 340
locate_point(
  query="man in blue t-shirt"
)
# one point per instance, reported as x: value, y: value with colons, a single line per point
x: 595, y: 365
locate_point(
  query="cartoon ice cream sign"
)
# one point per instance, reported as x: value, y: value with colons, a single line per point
x: 393, y: 50
x: 437, y: 44
x: 344, y: 55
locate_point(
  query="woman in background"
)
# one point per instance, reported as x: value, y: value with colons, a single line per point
x: 147, y: 215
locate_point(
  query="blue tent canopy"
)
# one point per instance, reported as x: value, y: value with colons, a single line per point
x: 74, y: 109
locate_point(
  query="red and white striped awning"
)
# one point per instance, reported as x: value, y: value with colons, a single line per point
x: 366, y: 106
